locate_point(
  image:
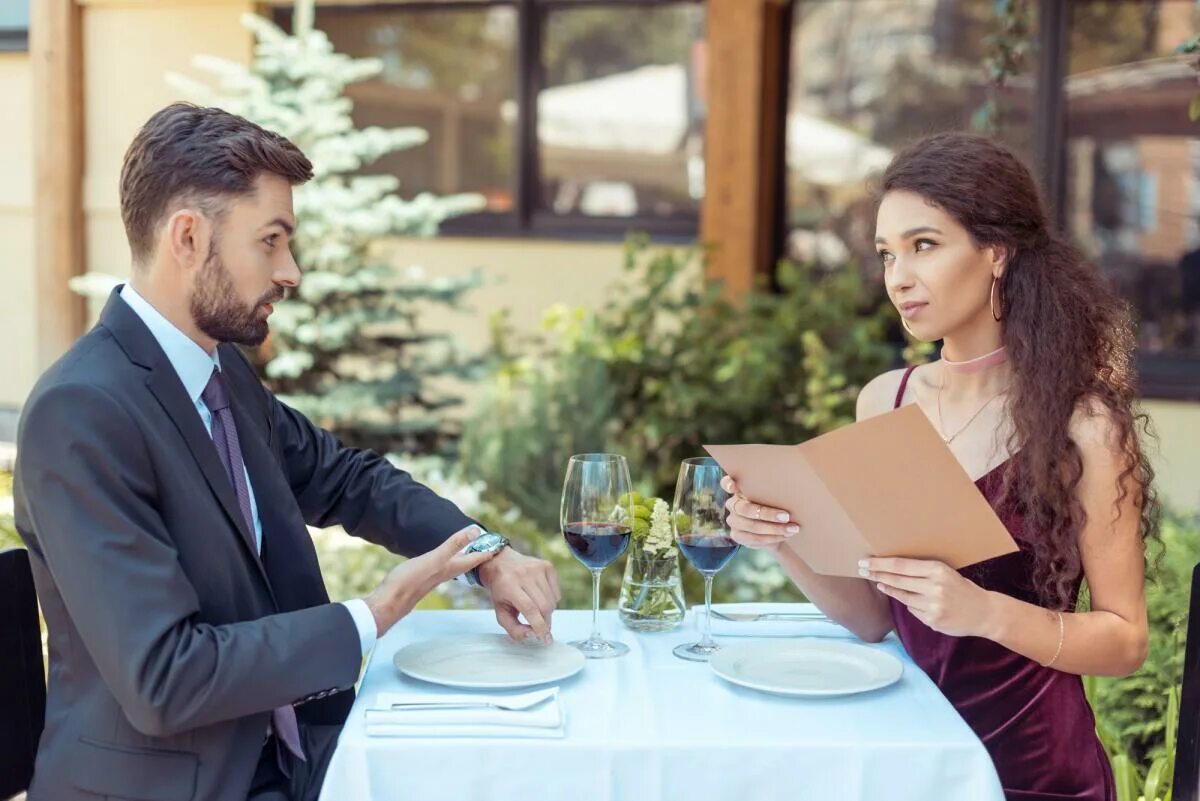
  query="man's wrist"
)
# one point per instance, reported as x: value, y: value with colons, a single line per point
x: 476, y: 577
x: 483, y: 573
x: 382, y: 609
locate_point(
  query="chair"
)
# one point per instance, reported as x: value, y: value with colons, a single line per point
x: 1186, y: 783
x: 22, y: 677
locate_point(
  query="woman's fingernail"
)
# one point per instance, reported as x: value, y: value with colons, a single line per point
x: 793, y: 529
x: 863, y: 563
x: 782, y: 517
x: 862, y: 571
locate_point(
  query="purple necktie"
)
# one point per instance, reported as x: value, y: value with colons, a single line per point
x: 224, y: 434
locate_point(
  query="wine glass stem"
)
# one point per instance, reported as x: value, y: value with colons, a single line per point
x: 595, y: 606
x: 708, y: 581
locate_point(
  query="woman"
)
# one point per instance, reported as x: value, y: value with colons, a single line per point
x: 1034, y: 395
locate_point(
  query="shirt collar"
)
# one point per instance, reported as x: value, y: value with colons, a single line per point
x: 190, y: 361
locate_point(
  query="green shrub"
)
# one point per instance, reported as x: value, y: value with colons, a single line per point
x: 668, y: 365
x: 1133, y: 710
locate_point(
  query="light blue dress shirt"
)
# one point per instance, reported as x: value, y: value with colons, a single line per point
x: 194, y: 367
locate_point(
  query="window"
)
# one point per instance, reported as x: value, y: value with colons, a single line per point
x: 1104, y: 122
x: 573, y: 118
x: 451, y: 72
x: 619, y: 134
x: 867, y: 77
x: 14, y: 25
x: 1132, y: 173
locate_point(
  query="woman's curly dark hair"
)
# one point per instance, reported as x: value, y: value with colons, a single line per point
x: 1070, y: 340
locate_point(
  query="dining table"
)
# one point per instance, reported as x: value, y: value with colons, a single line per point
x: 648, y: 726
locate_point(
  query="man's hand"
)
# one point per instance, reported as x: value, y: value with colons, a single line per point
x: 411, y: 580
x: 522, y: 585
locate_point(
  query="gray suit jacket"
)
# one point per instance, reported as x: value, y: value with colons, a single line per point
x: 170, y: 640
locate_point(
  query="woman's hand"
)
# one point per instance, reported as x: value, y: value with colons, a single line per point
x: 754, y: 525
x: 937, y: 594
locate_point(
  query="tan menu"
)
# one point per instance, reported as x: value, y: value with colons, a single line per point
x: 887, y: 486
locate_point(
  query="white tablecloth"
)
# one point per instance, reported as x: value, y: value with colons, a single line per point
x: 651, y: 727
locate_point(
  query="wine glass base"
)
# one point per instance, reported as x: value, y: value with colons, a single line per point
x: 600, y: 649
x: 696, y: 652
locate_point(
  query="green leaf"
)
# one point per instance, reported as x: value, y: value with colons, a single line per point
x: 1155, y: 778
x: 1125, y: 777
x: 1194, y: 109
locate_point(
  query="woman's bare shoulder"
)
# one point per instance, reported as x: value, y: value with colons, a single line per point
x: 879, y: 395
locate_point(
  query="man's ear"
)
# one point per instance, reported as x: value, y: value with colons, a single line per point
x: 189, y: 236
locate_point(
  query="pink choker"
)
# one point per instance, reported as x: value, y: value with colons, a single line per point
x: 998, y: 356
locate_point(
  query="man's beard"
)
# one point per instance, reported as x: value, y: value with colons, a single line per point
x: 219, y: 313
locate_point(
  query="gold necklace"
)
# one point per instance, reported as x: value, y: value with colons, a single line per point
x: 942, y: 423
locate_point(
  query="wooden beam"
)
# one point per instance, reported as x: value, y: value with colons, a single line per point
x: 746, y: 97
x: 56, y: 51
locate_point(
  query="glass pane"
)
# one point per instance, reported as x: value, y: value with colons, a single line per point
x: 1133, y: 161
x: 620, y: 130
x: 868, y: 77
x: 450, y: 71
x: 14, y: 15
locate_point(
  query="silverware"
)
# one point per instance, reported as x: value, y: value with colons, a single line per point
x: 514, y: 704
x: 751, y: 617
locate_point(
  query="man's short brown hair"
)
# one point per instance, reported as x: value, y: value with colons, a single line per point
x: 197, y: 154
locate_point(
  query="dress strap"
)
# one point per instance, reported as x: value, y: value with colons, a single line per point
x: 903, y: 386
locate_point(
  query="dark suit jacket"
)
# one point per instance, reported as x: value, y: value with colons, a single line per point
x: 170, y: 641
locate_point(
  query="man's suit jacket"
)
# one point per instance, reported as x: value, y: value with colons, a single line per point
x: 170, y: 640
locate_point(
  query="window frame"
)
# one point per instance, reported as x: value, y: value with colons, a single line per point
x: 526, y: 220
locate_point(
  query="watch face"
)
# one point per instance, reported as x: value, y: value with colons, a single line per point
x: 487, y: 542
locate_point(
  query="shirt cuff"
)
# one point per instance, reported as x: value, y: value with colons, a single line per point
x: 364, y: 621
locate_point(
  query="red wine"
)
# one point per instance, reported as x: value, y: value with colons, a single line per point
x: 597, y: 545
x: 707, y: 554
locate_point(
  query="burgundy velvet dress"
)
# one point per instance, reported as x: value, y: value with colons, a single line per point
x: 1035, y: 721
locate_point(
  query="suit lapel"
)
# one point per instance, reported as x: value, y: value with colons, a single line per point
x: 163, y: 382
x: 165, y: 385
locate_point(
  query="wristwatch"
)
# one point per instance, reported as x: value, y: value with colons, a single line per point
x: 487, y: 542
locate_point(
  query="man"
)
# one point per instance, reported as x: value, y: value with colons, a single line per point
x: 163, y: 493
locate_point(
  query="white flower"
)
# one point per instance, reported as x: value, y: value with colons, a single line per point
x: 659, y: 541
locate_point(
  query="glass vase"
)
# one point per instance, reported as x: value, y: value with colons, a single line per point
x: 651, y: 592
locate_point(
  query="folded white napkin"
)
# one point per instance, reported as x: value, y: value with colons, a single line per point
x: 815, y: 626
x: 545, y: 719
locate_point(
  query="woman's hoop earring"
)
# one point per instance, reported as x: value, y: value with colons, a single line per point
x: 992, y: 301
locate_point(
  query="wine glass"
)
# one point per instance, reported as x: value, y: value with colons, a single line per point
x: 701, y: 528
x: 597, y: 519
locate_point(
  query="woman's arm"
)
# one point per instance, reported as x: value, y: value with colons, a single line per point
x: 1111, y: 638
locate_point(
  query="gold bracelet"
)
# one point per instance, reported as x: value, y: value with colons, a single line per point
x: 1058, y: 650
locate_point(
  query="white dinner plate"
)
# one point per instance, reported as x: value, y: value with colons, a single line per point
x: 806, y: 667
x: 487, y: 661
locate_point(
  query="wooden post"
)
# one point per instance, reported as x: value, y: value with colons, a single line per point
x: 747, y: 99
x: 56, y: 51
